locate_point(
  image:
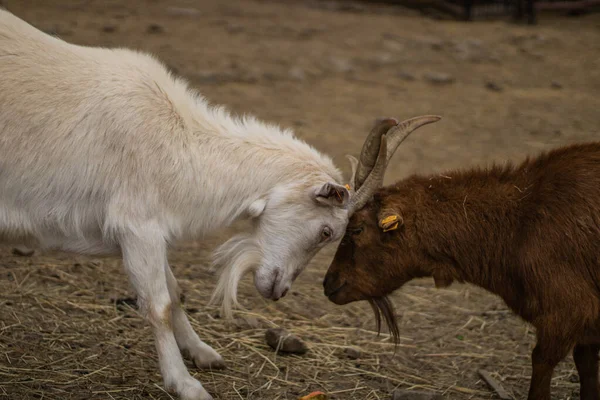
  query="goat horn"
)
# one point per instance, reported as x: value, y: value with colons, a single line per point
x: 401, y: 131
x: 370, y: 149
x: 373, y: 181
x: 353, y: 166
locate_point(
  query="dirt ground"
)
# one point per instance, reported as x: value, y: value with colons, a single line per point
x: 68, y: 327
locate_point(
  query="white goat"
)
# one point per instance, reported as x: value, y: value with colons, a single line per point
x: 102, y: 151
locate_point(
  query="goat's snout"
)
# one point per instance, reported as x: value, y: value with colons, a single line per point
x: 332, y: 284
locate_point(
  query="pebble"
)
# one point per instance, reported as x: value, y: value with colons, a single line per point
x: 155, y: 28
x: 407, y: 76
x: 297, y: 74
x: 439, y: 78
x: 353, y: 353
x: 23, y: 251
x: 109, y: 28
x: 341, y: 64
x: 493, y: 86
x: 282, y: 341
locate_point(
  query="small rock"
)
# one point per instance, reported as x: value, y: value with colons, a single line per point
x: 472, y: 50
x: 155, y: 29
x: 439, y: 78
x: 282, y: 341
x: 407, y: 76
x: 414, y: 395
x: 382, y: 59
x: 341, y: 64
x: 493, y: 86
x: 556, y: 85
x: 182, y: 11
x: 109, y: 28
x: 353, y: 353
x: 22, y: 251
x: 297, y: 73
x: 393, y: 45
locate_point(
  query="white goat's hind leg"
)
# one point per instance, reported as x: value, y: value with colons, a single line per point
x: 188, y: 341
x: 143, y: 258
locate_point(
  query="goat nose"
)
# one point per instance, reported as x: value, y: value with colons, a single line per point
x: 329, y: 282
x: 285, y: 292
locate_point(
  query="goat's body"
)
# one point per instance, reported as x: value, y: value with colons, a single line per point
x: 530, y: 234
x: 104, y: 124
x: 525, y: 233
x: 103, y: 151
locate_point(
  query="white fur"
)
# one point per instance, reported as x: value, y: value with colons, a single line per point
x: 102, y: 151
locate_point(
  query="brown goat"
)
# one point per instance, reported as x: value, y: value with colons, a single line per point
x: 528, y: 233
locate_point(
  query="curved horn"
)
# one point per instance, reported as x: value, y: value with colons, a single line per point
x: 353, y: 166
x: 370, y: 149
x: 400, y: 132
x: 373, y: 181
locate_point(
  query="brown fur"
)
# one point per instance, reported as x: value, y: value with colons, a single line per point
x: 530, y: 234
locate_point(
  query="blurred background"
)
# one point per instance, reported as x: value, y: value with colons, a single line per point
x: 505, y: 88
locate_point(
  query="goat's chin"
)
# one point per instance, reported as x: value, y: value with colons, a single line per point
x: 346, y: 296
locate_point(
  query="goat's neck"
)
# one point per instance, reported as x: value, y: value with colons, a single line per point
x: 229, y: 174
x: 469, y: 224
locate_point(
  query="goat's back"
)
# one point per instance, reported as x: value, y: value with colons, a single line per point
x: 74, y: 122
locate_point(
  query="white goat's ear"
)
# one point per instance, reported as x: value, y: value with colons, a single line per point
x: 331, y: 194
x: 257, y: 208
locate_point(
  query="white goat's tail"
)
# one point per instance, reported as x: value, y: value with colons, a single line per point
x: 236, y: 257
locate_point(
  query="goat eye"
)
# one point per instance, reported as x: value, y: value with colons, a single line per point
x: 326, y: 233
x: 356, y: 231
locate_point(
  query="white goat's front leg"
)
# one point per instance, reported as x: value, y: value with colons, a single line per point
x: 143, y: 258
x: 188, y: 341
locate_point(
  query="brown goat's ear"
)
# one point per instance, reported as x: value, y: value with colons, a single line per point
x: 389, y: 221
x: 331, y: 194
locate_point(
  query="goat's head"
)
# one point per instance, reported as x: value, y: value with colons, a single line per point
x: 290, y: 225
x: 377, y: 240
x: 296, y: 223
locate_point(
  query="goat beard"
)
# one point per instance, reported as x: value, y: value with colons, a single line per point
x: 384, y: 309
x: 236, y: 257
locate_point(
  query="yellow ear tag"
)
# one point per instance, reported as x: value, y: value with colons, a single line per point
x: 347, y: 186
x: 385, y: 223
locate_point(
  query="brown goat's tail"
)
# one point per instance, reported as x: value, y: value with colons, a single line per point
x: 383, y: 307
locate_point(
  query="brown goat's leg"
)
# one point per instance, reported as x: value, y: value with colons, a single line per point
x: 586, y: 360
x: 544, y: 358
